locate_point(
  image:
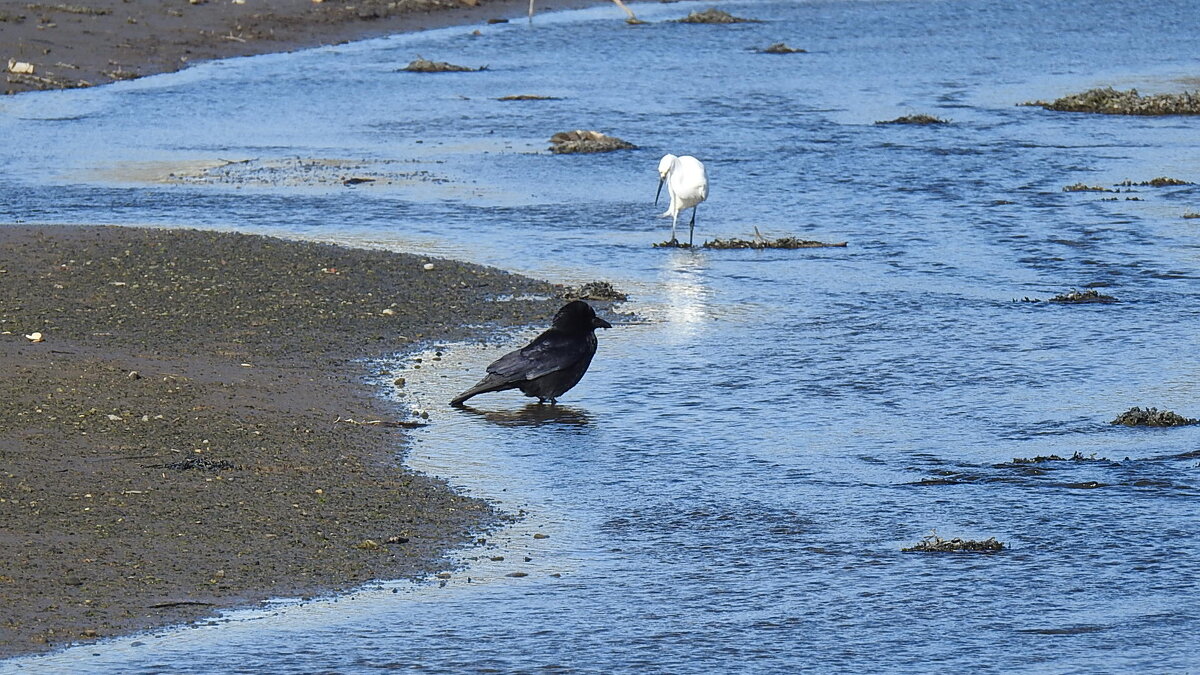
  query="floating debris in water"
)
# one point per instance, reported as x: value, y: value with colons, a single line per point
x: 781, y: 48
x: 760, y: 243
x: 422, y: 65
x: 1082, y: 297
x: 594, y: 290
x: 581, y: 141
x: 528, y: 97
x: 1109, y: 101
x: 1075, y: 297
x: 916, y: 119
x: 1081, y: 187
x: 932, y: 543
x: 1161, y: 181
x: 1189, y: 215
x: 1152, y: 417
x: 714, y: 15
x: 1077, y: 457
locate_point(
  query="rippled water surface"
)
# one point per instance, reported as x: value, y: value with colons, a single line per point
x: 729, y: 488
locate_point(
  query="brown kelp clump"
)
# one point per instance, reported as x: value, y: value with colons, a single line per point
x: 594, y: 290
x: 1083, y: 297
x: 920, y: 119
x: 1109, y: 101
x: 714, y: 15
x: 527, y: 97
x: 781, y: 48
x: 1084, y: 187
x: 1077, y: 457
x: 1152, y: 417
x: 932, y: 543
x: 582, y: 141
x: 421, y: 65
x: 759, y: 243
x: 1161, y: 181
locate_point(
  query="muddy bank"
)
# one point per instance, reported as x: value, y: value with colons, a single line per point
x: 171, y: 446
x: 73, y: 45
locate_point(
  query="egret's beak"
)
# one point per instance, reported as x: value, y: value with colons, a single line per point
x: 600, y: 323
x: 659, y: 193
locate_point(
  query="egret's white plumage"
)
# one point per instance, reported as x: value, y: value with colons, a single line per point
x: 687, y: 186
x: 632, y: 17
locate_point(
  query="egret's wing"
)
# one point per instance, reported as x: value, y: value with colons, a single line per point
x: 550, y: 352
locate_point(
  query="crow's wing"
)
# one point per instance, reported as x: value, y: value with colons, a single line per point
x: 550, y: 352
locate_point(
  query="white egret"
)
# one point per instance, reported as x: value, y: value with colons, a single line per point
x: 687, y: 186
x: 631, y: 20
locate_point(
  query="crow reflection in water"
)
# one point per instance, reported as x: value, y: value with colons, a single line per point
x: 550, y: 365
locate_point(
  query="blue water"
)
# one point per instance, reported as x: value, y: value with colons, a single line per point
x: 729, y: 488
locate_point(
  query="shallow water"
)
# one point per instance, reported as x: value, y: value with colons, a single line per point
x: 730, y: 486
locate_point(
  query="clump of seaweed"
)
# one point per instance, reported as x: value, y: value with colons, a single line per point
x: 1109, y: 101
x: 714, y: 15
x: 528, y: 97
x: 1161, y: 181
x: 1190, y: 215
x: 1077, y: 457
x: 1083, y: 187
x: 581, y: 141
x: 760, y: 243
x: 1152, y: 417
x: 594, y: 290
x: 422, y: 65
x: 200, y: 464
x: 781, y: 48
x: 932, y: 543
x: 1082, y: 297
x: 919, y: 119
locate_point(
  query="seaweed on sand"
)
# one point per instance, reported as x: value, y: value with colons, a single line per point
x: 932, y: 543
x: 1152, y: 417
x: 594, y: 290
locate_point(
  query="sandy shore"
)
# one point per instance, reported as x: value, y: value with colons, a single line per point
x: 171, y: 446
x: 79, y: 44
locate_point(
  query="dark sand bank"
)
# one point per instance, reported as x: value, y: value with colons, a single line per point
x: 81, y: 44
x: 132, y: 501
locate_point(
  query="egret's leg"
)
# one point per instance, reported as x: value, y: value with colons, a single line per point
x: 674, y: 220
x: 692, y: 227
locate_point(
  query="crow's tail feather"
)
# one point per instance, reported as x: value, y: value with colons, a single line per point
x: 488, y: 384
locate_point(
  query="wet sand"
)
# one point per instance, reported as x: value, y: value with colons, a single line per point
x: 100, y: 41
x: 172, y: 446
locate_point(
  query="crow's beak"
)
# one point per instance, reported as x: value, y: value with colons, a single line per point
x: 659, y: 193
x: 600, y: 323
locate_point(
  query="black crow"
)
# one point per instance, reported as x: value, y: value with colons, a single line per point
x: 550, y: 365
